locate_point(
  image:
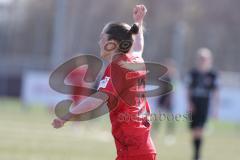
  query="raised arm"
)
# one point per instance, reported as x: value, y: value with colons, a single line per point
x: 139, y: 13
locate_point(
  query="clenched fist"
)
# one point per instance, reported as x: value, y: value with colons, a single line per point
x: 139, y: 12
x: 58, y: 123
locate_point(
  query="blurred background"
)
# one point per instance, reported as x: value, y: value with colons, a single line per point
x: 38, y: 36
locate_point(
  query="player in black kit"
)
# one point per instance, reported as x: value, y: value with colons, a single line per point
x: 202, y: 87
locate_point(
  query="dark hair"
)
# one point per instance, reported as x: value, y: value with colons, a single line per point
x: 121, y: 33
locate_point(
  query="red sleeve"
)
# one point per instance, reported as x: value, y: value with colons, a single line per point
x: 106, y: 84
x: 112, y: 82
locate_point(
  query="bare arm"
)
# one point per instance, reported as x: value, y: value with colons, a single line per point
x: 90, y: 103
x: 139, y: 13
x: 190, y: 105
x: 138, y: 44
x: 87, y: 104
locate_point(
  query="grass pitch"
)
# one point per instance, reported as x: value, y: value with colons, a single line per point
x: 27, y: 134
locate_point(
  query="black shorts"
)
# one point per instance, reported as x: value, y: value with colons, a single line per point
x: 200, y: 114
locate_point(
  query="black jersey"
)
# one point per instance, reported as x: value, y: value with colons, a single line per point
x: 201, y: 84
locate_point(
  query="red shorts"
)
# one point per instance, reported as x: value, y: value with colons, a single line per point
x: 138, y: 157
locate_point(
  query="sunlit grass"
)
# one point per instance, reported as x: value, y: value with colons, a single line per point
x: 26, y: 134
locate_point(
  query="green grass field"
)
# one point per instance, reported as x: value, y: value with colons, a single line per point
x: 27, y: 134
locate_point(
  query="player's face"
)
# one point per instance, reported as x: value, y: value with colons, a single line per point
x: 204, y: 59
x: 107, y: 47
x: 102, y: 42
x: 204, y: 63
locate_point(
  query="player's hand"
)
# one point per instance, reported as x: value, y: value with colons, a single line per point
x: 139, y: 12
x: 58, y: 123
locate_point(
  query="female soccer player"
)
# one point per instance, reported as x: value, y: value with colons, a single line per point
x: 202, y: 87
x: 122, y: 88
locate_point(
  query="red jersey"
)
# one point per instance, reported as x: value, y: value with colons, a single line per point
x: 128, y: 104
